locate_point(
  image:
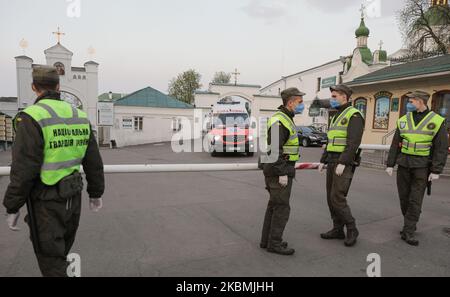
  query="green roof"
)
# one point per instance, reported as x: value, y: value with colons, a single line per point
x: 150, y: 97
x: 382, y: 55
x: 411, y: 69
x: 362, y: 30
x: 366, y: 55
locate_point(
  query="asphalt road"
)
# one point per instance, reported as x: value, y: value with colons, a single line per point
x: 209, y: 224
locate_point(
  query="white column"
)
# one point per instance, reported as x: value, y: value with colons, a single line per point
x: 24, y: 68
x: 92, y: 92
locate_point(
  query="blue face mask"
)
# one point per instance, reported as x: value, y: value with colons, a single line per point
x: 300, y: 108
x: 410, y: 107
x: 335, y: 104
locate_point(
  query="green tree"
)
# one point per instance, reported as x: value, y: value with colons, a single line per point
x: 221, y: 77
x: 422, y: 23
x: 183, y: 87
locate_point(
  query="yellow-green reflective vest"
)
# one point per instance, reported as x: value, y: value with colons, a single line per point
x: 418, y: 140
x: 66, y: 131
x: 292, y: 147
x: 337, y: 133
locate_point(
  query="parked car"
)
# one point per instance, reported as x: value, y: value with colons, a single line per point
x: 309, y: 135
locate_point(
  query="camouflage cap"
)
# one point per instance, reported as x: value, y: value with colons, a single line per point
x: 419, y: 95
x: 45, y: 75
x: 291, y: 92
x: 344, y: 89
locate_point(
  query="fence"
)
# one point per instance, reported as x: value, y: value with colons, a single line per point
x: 149, y: 168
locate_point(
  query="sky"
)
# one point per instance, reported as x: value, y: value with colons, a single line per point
x: 140, y: 43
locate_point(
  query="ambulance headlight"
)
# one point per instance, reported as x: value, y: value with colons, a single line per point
x: 250, y: 138
x: 217, y: 138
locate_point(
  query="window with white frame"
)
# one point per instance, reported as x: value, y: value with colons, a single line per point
x: 176, y: 125
x: 138, y: 123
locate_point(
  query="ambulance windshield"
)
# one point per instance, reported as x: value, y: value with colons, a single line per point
x: 231, y: 119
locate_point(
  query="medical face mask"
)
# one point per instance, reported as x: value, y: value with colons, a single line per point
x: 410, y: 107
x: 300, y: 108
x: 334, y: 103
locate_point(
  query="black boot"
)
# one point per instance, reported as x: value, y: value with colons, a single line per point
x: 336, y: 233
x: 281, y: 250
x: 410, y: 238
x: 284, y: 244
x: 352, y: 235
x: 408, y: 232
x: 401, y: 232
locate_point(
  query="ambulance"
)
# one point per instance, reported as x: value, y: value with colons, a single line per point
x: 230, y: 128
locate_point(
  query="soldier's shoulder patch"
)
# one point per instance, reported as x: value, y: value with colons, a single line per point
x: 18, y: 119
x: 344, y: 122
x: 431, y: 126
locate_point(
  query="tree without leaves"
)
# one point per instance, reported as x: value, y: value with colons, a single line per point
x: 221, y: 77
x: 183, y: 87
x: 416, y: 25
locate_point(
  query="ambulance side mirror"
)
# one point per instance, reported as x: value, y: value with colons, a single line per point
x: 253, y: 125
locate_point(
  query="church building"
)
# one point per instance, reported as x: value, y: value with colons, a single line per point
x: 78, y: 85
